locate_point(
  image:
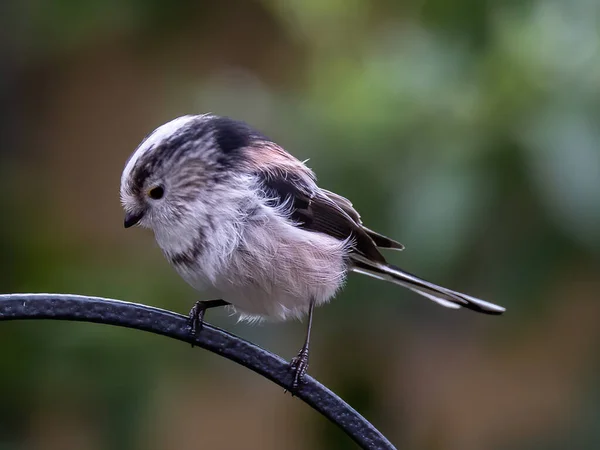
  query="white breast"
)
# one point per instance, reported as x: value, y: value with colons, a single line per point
x: 274, y: 269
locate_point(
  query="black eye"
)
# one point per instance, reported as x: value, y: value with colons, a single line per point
x: 156, y: 192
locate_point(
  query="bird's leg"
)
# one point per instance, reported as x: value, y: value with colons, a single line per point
x: 299, y: 364
x: 196, y: 317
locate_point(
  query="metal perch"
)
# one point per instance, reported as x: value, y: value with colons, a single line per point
x: 154, y: 320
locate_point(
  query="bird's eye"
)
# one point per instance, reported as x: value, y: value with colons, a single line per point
x: 156, y: 193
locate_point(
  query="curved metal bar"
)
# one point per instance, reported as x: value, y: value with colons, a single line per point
x: 141, y: 317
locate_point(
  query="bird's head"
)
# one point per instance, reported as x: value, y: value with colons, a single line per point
x: 171, y: 175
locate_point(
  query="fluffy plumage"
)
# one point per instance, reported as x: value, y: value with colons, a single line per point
x: 244, y: 219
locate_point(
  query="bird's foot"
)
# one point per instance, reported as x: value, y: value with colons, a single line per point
x: 299, y: 366
x: 196, y: 318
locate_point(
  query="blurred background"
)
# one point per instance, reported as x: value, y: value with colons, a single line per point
x: 466, y: 129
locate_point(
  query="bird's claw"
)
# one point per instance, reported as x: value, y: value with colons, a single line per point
x: 299, y: 366
x: 196, y: 318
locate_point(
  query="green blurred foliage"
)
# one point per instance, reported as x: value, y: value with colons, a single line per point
x: 467, y: 130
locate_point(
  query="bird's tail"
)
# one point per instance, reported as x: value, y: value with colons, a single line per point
x: 443, y: 296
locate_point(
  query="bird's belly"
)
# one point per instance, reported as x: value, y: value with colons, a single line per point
x: 282, y: 295
x: 278, y: 279
x: 253, y: 303
x: 274, y: 271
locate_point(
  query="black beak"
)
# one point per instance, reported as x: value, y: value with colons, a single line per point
x: 132, y: 218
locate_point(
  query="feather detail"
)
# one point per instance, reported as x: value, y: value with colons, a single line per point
x: 311, y: 209
x: 438, y: 294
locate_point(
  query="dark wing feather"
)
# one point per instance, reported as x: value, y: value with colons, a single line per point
x: 312, y: 209
x: 379, y: 239
x: 383, y: 241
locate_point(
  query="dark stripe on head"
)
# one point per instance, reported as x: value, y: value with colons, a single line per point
x: 186, y: 139
x: 183, y: 140
x: 232, y: 135
x: 220, y: 137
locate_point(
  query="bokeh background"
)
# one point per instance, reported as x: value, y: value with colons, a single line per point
x: 467, y: 129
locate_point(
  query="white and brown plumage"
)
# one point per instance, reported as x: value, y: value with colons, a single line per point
x: 240, y: 217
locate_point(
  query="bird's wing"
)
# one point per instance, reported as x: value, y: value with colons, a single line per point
x: 310, y: 208
x: 379, y: 239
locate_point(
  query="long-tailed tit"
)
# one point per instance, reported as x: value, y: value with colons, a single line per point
x: 237, y: 215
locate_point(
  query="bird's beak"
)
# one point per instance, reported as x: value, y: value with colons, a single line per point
x: 133, y: 218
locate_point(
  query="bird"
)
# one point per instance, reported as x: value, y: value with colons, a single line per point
x: 244, y: 221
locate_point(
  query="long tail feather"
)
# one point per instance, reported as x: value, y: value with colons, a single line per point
x: 440, y: 295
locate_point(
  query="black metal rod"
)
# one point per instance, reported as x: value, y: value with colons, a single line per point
x: 154, y: 320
